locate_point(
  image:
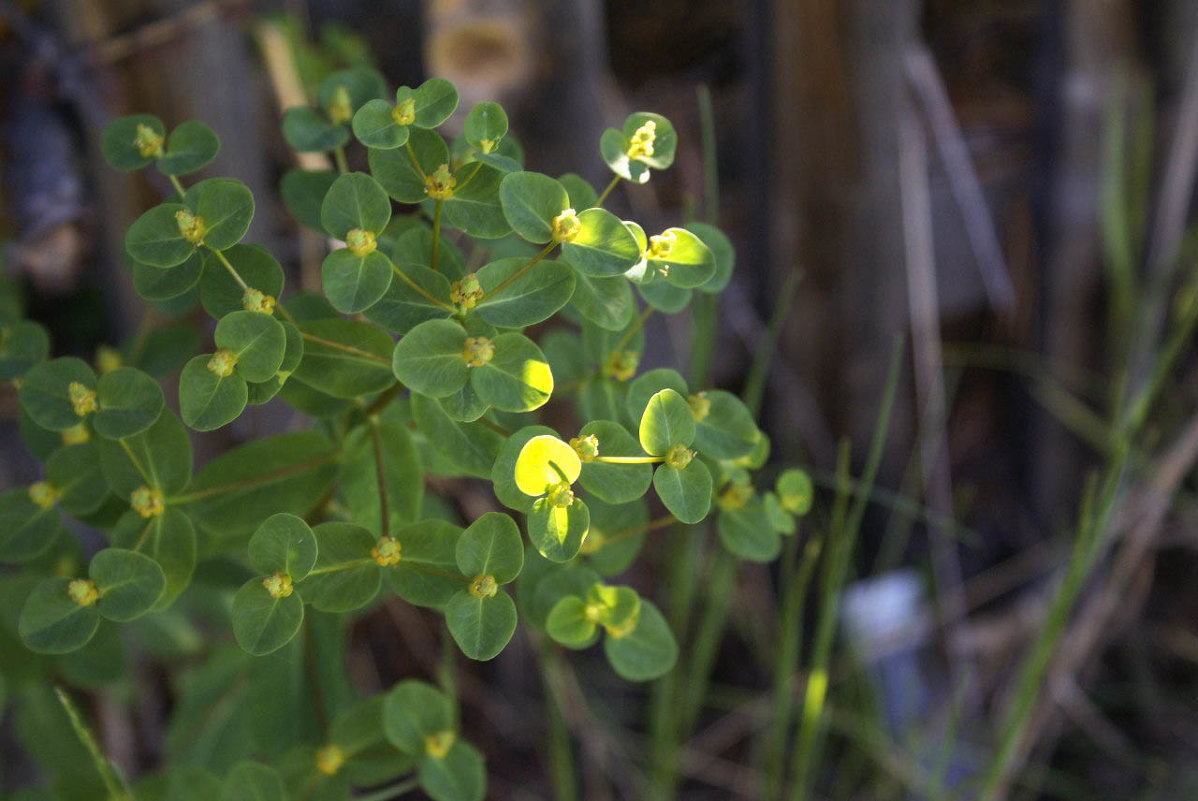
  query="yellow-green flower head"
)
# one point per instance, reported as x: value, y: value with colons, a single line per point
x: 544, y: 463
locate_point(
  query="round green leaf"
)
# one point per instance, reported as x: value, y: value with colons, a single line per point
x: 534, y: 296
x: 169, y: 539
x: 345, y: 577
x: 686, y: 493
x: 747, y: 533
x: 664, y: 296
x: 412, y: 710
x: 647, y: 652
x: 52, y: 623
x: 427, y: 573
x: 435, y: 100
x: 162, y: 452
x: 616, y: 536
x: 606, y: 302
x: 283, y: 544
x: 475, y: 207
x: 481, y: 626
x: 491, y: 545
x: 190, y: 147
x: 468, y: 448
x: 415, y: 246
x: 257, y: 340
x: 118, y: 142
x: 603, y: 247
x: 355, y: 200
x: 613, y: 147
x: 303, y: 194
x: 517, y: 379
x: 130, y: 402
x: 220, y: 293
x: 154, y: 283
x: 402, y: 476
x: 795, y: 491
x: 681, y: 258
x: 582, y: 195
x: 375, y: 126
x: 458, y: 776
x: 130, y: 583
x: 503, y: 472
x: 251, y: 781
x: 262, y: 624
x: 558, y: 532
x: 614, y: 483
x: 22, y: 345
x: 208, y: 401
x: 780, y: 519
x: 361, y: 84
x: 354, y: 283
x: 667, y: 422
x: 77, y: 476
x: 569, y: 625
x: 429, y: 359
x: 45, y: 391
x: 402, y: 307
x: 486, y: 124
x: 154, y: 238
x: 26, y: 529
x: 225, y: 205
x: 309, y: 131
x: 393, y: 169
x: 726, y: 430
x: 543, y: 462
x: 644, y: 386
x: 345, y: 358
x: 530, y: 203
x: 723, y: 252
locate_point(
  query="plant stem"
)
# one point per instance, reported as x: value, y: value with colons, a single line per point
x: 503, y: 284
x: 111, y: 783
x: 421, y: 291
x: 339, y: 159
x: 394, y: 791
x: 631, y: 332
x: 561, y: 757
x: 178, y: 186
x: 603, y: 195
x: 436, y: 233
x: 629, y: 459
x: 380, y: 476
x: 365, y: 354
x: 754, y: 392
x: 415, y: 163
x: 230, y: 268
x: 652, y: 525
x: 717, y: 590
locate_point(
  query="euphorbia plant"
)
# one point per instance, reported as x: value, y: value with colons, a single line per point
x: 445, y: 328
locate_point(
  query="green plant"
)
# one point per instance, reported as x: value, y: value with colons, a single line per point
x: 287, y: 538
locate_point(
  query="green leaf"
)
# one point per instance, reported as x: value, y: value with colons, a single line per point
x: 517, y: 378
x: 375, y: 126
x: 582, y: 195
x: 680, y: 258
x: 723, y: 252
x: 503, y: 472
x: 558, y: 532
x: 208, y: 401
x: 190, y: 147
x: 644, y: 386
x: 118, y: 142
x: 52, y: 623
x: 427, y: 573
x: 613, y: 147
x: 606, y: 302
x: 402, y: 308
x: 393, y: 169
x: 169, y: 539
x: 647, y: 652
x: 345, y: 358
x: 355, y: 201
x: 261, y: 623
x: 239, y: 489
x: 457, y: 776
x: 486, y: 124
x: 664, y: 296
x: 309, y: 131
x: 535, y: 296
x: 616, y: 536
x: 130, y: 583
x: 22, y: 345
x: 471, y: 447
x: 413, y: 710
x: 283, y: 544
x: 402, y: 476
x: 603, y: 398
x: 256, y: 340
x: 225, y: 205
x: 154, y: 283
x: 779, y: 518
x: 544, y: 462
x: 686, y: 493
x: 665, y: 141
x: 530, y: 202
x: 614, y: 483
x: 159, y: 457
x: 26, y: 529
x: 163, y: 351
x: 354, y: 283
x: 435, y: 101
x: 747, y: 532
x: 726, y: 430
x: 667, y: 422
x: 569, y: 625
x: 481, y: 626
x: 491, y: 545
x: 415, y: 246
x: 430, y: 360
x: 76, y: 474
x: 360, y: 83
x: 603, y: 247
x: 220, y: 294
x: 154, y: 238
x: 252, y: 781
x: 45, y: 393
x: 303, y: 194
x: 475, y: 207
x: 346, y: 576
x: 795, y: 491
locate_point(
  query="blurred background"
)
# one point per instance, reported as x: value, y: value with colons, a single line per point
x: 998, y: 191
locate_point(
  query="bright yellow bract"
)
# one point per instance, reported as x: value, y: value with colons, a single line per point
x: 534, y: 466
